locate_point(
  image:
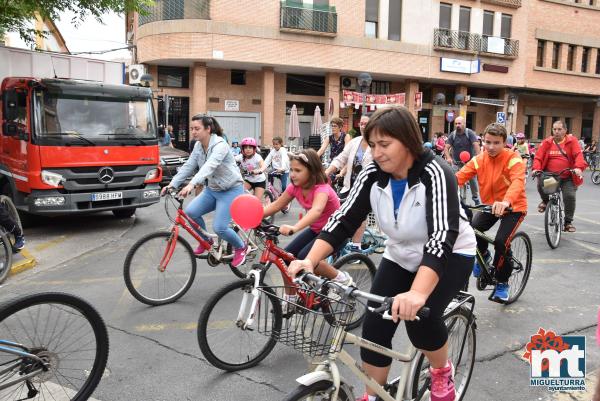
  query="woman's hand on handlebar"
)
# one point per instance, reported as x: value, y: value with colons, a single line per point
x: 498, y: 208
x: 286, y: 229
x: 165, y: 190
x: 297, y: 266
x: 406, y: 305
x: 185, y: 191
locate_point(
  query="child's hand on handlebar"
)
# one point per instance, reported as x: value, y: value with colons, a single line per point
x: 286, y: 229
x: 498, y: 208
x: 406, y: 305
x: 297, y: 266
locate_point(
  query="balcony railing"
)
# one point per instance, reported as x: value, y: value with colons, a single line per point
x: 163, y: 10
x: 505, y: 3
x: 313, y: 20
x: 459, y: 41
x: 456, y: 40
x: 502, y: 46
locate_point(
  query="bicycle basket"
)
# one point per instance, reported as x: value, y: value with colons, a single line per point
x: 550, y: 184
x: 315, y: 331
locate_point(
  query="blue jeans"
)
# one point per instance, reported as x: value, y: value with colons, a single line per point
x: 220, y: 201
x: 284, y: 181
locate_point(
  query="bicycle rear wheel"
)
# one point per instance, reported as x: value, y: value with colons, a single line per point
x: 143, y: 276
x: 64, y: 331
x: 6, y: 255
x: 520, y: 256
x: 458, y: 324
x: 596, y: 177
x: 362, y: 269
x: 223, y: 340
x: 553, y: 224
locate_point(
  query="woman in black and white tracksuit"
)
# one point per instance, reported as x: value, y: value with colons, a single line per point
x: 430, y: 248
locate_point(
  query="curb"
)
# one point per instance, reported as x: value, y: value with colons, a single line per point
x: 23, y: 263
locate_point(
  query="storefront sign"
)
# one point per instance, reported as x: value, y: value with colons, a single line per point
x: 495, y: 68
x: 355, y: 99
x: 418, y: 101
x: 422, y: 120
x: 232, y: 105
x: 459, y: 66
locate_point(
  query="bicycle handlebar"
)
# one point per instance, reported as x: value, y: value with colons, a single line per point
x: 353, y: 292
x: 538, y: 173
x: 488, y: 208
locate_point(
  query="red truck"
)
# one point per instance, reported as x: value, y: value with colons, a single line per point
x: 75, y: 146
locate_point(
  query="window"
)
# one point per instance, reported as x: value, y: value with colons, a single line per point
x: 395, y: 19
x: 445, y: 15
x: 173, y: 77
x: 568, y: 123
x: 541, y: 127
x: 527, y: 128
x: 380, y: 87
x: 464, y: 22
x: 488, y: 23
x: 585, y: 56
x: 597, y: 61
x: 506, y: 26
x: 238, y: 77
x: 371, y: 18
x: 309, y: 85
x: 540, y: 53
x: 570, y: 57
x: 555, y: 55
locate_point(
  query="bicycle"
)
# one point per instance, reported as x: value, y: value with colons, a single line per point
x: 232, y: 320
x: 274, y: 192
x: 51, y: 344
x: 554, y: 216
x: 268, y: 196
x: 519, y: 254
x: 7, y: 240
x: 161, y: 266
x: 325, y: 382
x: 596, y: 177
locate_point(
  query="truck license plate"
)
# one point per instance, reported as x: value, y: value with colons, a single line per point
x: 107, y: 196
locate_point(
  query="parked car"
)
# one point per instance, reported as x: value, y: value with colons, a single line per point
x: 171, y: 159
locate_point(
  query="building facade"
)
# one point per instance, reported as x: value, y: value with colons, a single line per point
x: 525, y: 62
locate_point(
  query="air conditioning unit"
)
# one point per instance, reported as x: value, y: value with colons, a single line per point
x: 135, y: 73
x: 349, y: 83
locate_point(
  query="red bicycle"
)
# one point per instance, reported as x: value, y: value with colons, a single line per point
x: 161, y: 266
x: 241, y: 323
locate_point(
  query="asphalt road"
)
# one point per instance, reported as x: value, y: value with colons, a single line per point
x: 154, y: 351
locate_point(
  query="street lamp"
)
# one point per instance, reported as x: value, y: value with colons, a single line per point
x: 364, y: 81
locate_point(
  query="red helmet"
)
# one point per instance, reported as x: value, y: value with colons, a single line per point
x: 248, y: 142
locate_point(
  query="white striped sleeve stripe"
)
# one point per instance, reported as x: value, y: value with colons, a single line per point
x: 439, y: 209
x: 354, y: 192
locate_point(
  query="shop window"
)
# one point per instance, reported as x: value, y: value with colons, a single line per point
x: 308, y: 85
x: 173, y: 77
x: 238, y: 77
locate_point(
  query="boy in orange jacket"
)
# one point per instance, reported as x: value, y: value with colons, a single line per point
x: 501, y: 175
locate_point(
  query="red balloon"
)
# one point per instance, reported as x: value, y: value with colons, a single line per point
x: 464, y: 156
x: 247, y: 211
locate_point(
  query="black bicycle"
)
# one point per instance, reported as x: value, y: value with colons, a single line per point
x: 53, y: 346
x: 519, y: 254
x: 554, y: 217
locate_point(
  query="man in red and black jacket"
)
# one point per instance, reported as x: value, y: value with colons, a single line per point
x: 558, y: 152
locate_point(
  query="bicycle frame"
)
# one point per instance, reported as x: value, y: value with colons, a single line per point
x: 328, y: 370
x: 19, y: 350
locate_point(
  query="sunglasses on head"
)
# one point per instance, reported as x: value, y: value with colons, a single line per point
x: 300, y: 156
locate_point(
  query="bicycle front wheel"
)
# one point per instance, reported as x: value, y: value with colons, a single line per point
x: 153, y: 276
x: 462, y: 355
x: 596, y: 177
x: 5, y: 256
x: 267, y: 199
x: 320, y: 391
x: 65, y: 332
x: 223, y: 335
x: 520, y: 256
x: 362, y: 269
x: 553, y: 224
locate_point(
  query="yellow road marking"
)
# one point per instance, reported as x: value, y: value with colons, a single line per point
x: 170, y: 326
x: 23, y: 265
x: 48, y: 244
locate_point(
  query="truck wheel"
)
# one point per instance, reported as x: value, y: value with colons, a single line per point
x: 124, y: 213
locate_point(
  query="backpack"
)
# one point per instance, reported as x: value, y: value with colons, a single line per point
x: 468, y: 132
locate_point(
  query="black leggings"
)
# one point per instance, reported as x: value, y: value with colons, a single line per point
x: 303, y: 242
x: 428, y: 334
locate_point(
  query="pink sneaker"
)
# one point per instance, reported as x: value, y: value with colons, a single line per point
x: 201, y: 249
x: 239, y: 256
x: 365, y: 397
x: 442, y: 383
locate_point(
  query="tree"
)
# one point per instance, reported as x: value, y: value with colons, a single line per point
x: 16, y: 15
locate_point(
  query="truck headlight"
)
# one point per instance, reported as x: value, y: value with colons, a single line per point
x: 52, y: 179
x: 152, y: 174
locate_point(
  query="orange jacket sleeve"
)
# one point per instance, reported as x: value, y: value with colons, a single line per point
x: 516, y: 189
x: 466, y: 173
